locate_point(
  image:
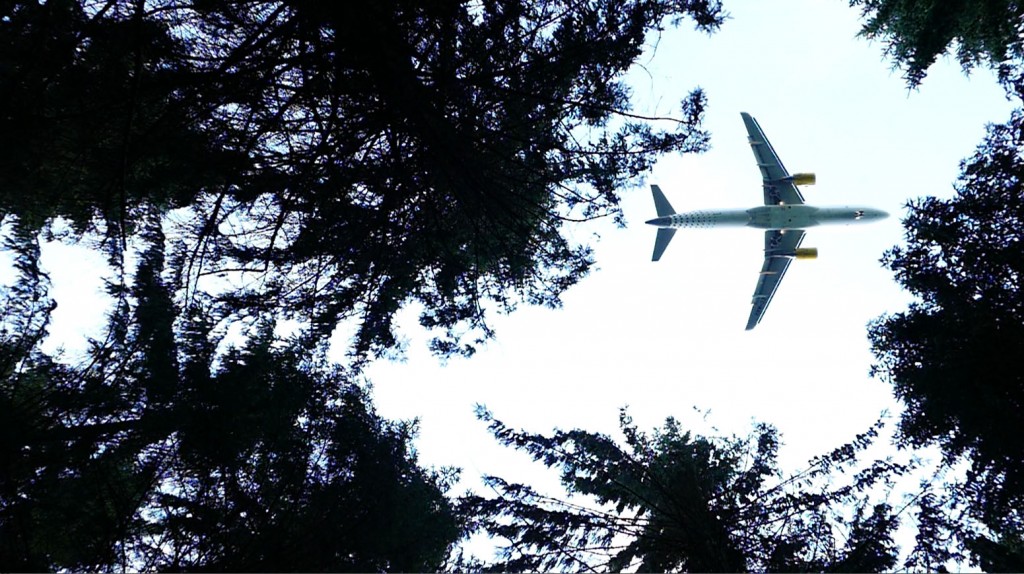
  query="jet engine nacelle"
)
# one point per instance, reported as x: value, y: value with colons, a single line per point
x: 806, y: 253
x: 803, y: 178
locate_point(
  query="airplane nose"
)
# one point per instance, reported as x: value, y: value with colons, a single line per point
x: 659, y: 221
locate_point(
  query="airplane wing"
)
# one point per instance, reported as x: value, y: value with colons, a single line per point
x: 778, y: 249
x: 778, y: 186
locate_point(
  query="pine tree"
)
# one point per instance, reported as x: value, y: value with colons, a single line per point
x: 951, y: 356
x: 672, y: 501
x: 917, y: 32
x: 162, y: 452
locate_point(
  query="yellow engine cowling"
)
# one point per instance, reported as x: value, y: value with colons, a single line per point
x: 804, y: 178
x: 806, y: 253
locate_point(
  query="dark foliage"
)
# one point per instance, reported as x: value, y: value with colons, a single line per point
x: 162, y: 453
x: 676, y: 502
x: 100, y: 120
x: 953, y: 356
x: 431, y: 152
x: 342, y: 160
x: 917, y: 32
x: 1005, y: 554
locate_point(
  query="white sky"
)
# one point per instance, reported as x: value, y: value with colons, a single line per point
x: 668, y: 336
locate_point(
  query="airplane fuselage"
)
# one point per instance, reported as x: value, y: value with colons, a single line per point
x: 784, y: 217
x: 770, y: 217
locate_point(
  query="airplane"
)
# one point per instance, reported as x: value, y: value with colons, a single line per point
x: 784, y: 217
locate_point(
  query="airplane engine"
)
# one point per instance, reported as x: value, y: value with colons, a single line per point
x: 804, y: 178
x: 806, y: 253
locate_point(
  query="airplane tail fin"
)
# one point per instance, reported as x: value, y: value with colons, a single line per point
x: 664, y: 208
x: 661, y: 203
x: 661, y: 241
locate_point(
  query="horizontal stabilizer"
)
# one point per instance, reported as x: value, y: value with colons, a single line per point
x: 661, y: 241
x: 661, y: 203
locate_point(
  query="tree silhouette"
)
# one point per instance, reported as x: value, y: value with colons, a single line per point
x: 917, y: 32
x: 100, y: 120
x: 342, y: 161
x: 162, y: 452
x: 952, y: 356
x: 671, y: 501
x: 339, y: 162
x: 431, y: 152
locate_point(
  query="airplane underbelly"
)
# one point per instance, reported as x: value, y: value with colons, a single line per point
x: 783, y: 217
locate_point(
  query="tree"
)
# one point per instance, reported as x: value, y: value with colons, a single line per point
x: 100, y: 121
x: 675, y: 501
x: 917, y: 32
x: 431, y: 152
x: 343, y: 160
x: 162, y: 452
x: 1006, y: 554
x: 335, y: 488
x: 952, y: 356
